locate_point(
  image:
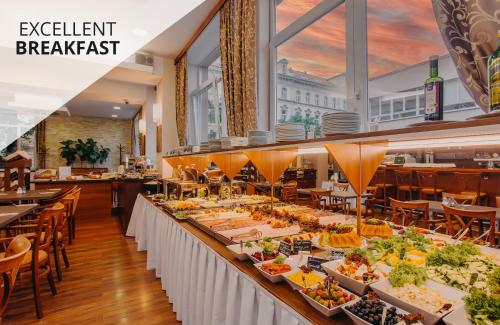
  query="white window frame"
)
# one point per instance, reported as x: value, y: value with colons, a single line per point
x: 356, y: 52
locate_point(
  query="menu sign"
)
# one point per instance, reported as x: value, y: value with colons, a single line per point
x: 285, y: 248
x: 338, y: 255
x: 302, y: 246
x: 315, y: 263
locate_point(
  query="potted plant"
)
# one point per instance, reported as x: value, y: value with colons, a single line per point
x: 67, y: 151
x: 89, y: 151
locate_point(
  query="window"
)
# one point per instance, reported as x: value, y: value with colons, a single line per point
x: 399, y: 46
x: 206, y: 116
x: 283, y: 93
x: 284, y: 114
x: 308, y: 44
x: 315, y: 57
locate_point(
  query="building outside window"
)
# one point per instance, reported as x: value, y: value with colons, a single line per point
x: 283, y: 93
x: 308, y: 98
x: 297, y: 96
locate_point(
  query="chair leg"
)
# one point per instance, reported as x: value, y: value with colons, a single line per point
x: 52, y: 284
x: 57, y: 261
x: 73, y: 227
x: 65, y: 256
x: 36, y: 293
x: 70, y: 230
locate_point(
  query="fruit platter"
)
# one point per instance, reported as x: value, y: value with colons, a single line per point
x: 327, y: 297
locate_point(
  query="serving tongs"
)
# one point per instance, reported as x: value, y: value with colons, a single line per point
x: 252, y: 233
x: 444, y: 309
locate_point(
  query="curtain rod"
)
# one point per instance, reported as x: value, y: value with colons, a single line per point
x: 200, y: 29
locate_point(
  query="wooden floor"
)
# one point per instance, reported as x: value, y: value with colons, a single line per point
x: 107, y: 283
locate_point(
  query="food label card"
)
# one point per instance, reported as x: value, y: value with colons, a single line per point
x: 302, y: 246
x: 337, y: 255
x: 285, y: 248
x: 315, y: 263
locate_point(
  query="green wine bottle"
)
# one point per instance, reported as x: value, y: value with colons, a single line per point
x: 494, y: 77
x: 433, y: 90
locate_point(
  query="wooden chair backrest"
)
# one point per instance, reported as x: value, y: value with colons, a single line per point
x: 403, y: 177
x: 317, y: 196
x: 497, y: 199
x: 9, y: 266
x: 251, y: 189
x: 341, y: 186
x: 289, y: 194
x: 407, y: 209
x: 45, y: 230
x: 466, y: 218
x: 462, y: 198
x: 427, y: 179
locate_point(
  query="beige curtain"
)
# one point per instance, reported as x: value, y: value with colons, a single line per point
x: 237, y: 47
x: 469, y: 32
x: 181, y: 98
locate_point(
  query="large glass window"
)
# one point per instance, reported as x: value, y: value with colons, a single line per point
x: 402, y: 35
x: 313, y: 61
x: 206, y: 118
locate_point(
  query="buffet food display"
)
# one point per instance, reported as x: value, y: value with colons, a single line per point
x: 388, y: 275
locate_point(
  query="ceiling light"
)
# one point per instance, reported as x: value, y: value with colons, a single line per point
x: 117, y: 107
x: 312, y: 150
x: 463, y: 141
x: 114, y: 115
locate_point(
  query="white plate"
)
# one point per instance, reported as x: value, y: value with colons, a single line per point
x: 297, y: 286
x: 381, y: 289
x: 360, y: 321
x: 457, y: 317
x: 278, y: 277
x: 328, y: 312
x: 358, y: 287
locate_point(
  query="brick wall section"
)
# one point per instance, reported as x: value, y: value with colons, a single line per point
x: 106, y: 131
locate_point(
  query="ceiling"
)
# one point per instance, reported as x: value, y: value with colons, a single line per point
x: 91, y: 108
x: 172, y: 40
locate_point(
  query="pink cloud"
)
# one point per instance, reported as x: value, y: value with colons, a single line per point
x: 400, y: 34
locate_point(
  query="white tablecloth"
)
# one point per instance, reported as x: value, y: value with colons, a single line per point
x: 203, y: 287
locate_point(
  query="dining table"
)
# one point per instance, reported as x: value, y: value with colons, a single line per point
x: 336, y: 195
x: 30, y: 195
x: 11, y: 213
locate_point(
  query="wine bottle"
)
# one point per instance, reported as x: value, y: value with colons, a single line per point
x: 433, y: 89
x: 494, y: 77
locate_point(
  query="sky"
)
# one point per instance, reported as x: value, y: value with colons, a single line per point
x: 401, y: 33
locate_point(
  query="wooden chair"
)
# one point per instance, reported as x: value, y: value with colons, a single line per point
x: 427, y: 185
x: 320, y: 196
x: 404, y: 184
x: 465, y: 219
x: 470, y: 183
x: 74, y: 196
x: 462, y: 198
x: 341, y: 186
x: 289, y: 194
x: 10, y: 262
x: 37, y: 261
x: 410, y: 212
x: 69, y: 202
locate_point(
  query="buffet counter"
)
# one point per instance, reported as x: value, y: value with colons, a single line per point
x: 206, y: 284
x: 95, y: 198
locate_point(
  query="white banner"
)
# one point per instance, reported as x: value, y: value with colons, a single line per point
x: 52, y: 50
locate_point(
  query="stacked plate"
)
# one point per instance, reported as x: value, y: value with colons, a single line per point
x: 204, y: 146
x: 289, y: 132
x: 258, y: 137
x: 232, y: 142
x: 340, y: 123
x: 215, y: 144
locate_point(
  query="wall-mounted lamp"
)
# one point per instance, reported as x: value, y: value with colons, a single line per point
x: 157, y: 113
x: 142, y: 126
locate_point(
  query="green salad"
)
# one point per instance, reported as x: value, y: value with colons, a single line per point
x: 407, y: 274
x: 483, y: 306
x: 453, y: 255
